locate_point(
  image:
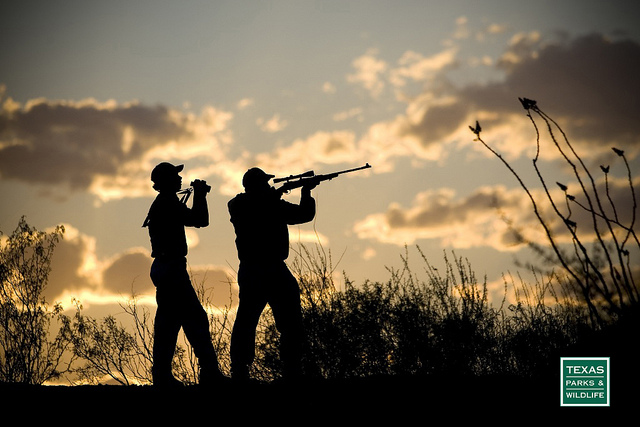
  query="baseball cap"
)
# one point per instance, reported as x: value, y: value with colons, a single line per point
x: 165, y: 170
x: 255, y: 175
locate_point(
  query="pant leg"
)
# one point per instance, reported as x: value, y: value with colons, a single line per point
x: 252, y: 302
x: 195, y: 324
x: 179, y: 306
x: 167, y: 323
x: 284, y: 299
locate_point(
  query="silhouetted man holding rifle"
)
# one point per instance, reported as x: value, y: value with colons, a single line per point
x: 178, y: 303
x: 261, y: 219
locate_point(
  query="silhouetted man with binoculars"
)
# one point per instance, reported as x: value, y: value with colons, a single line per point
x: 178, y: 303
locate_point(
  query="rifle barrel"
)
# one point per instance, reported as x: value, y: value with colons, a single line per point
x: 366, y: 166
x: 302, y: 179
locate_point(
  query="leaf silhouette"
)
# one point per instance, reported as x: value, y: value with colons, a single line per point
x: 527, y: 103
x: 617, y: 151
x: 477, y: 129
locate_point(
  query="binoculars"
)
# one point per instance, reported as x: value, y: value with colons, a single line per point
x: 202, y: 183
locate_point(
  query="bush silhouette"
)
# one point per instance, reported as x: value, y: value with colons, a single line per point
x: 441, y: 324
x: 28, y: 354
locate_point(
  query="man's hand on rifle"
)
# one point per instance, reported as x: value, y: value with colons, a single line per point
x: 309, y: 184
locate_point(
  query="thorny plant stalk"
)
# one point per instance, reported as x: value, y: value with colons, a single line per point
x: 610, y: 287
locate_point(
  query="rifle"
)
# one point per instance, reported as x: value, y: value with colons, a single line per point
x: 309, y: 177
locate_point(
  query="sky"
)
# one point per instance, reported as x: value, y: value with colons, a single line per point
x: 94, y: 94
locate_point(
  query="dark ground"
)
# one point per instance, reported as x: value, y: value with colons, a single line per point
x: 371, y: 400
x: 419, y: 400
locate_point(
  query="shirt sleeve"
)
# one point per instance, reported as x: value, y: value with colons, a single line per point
x: 298, y: 214
x: 198, y: 215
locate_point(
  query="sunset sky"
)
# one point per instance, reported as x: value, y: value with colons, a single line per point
x: 93, y: 94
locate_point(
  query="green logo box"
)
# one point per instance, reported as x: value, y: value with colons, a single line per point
x: 584, y: 381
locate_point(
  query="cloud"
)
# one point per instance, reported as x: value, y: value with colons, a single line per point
x: 498, y: 217
x: 423, y: 132
x: 318, y: 148
x: 471, y: 221
x: 369, y: 253
x: 77, y: 272
x: 348, y: 114
x: 106, y: 148
x: 328, y: 87
x: 415, y: 67
x: 299, y: 235
x: 245, y: 103
x: 462, y: 28
x: 74, y: 265
x: 272, y: 125
x: 368, y: 73
x: 128, y: 272
x: 589, y: 84
x: 494, y: 29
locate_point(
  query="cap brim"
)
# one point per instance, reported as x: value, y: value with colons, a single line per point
x: 179, y: 168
